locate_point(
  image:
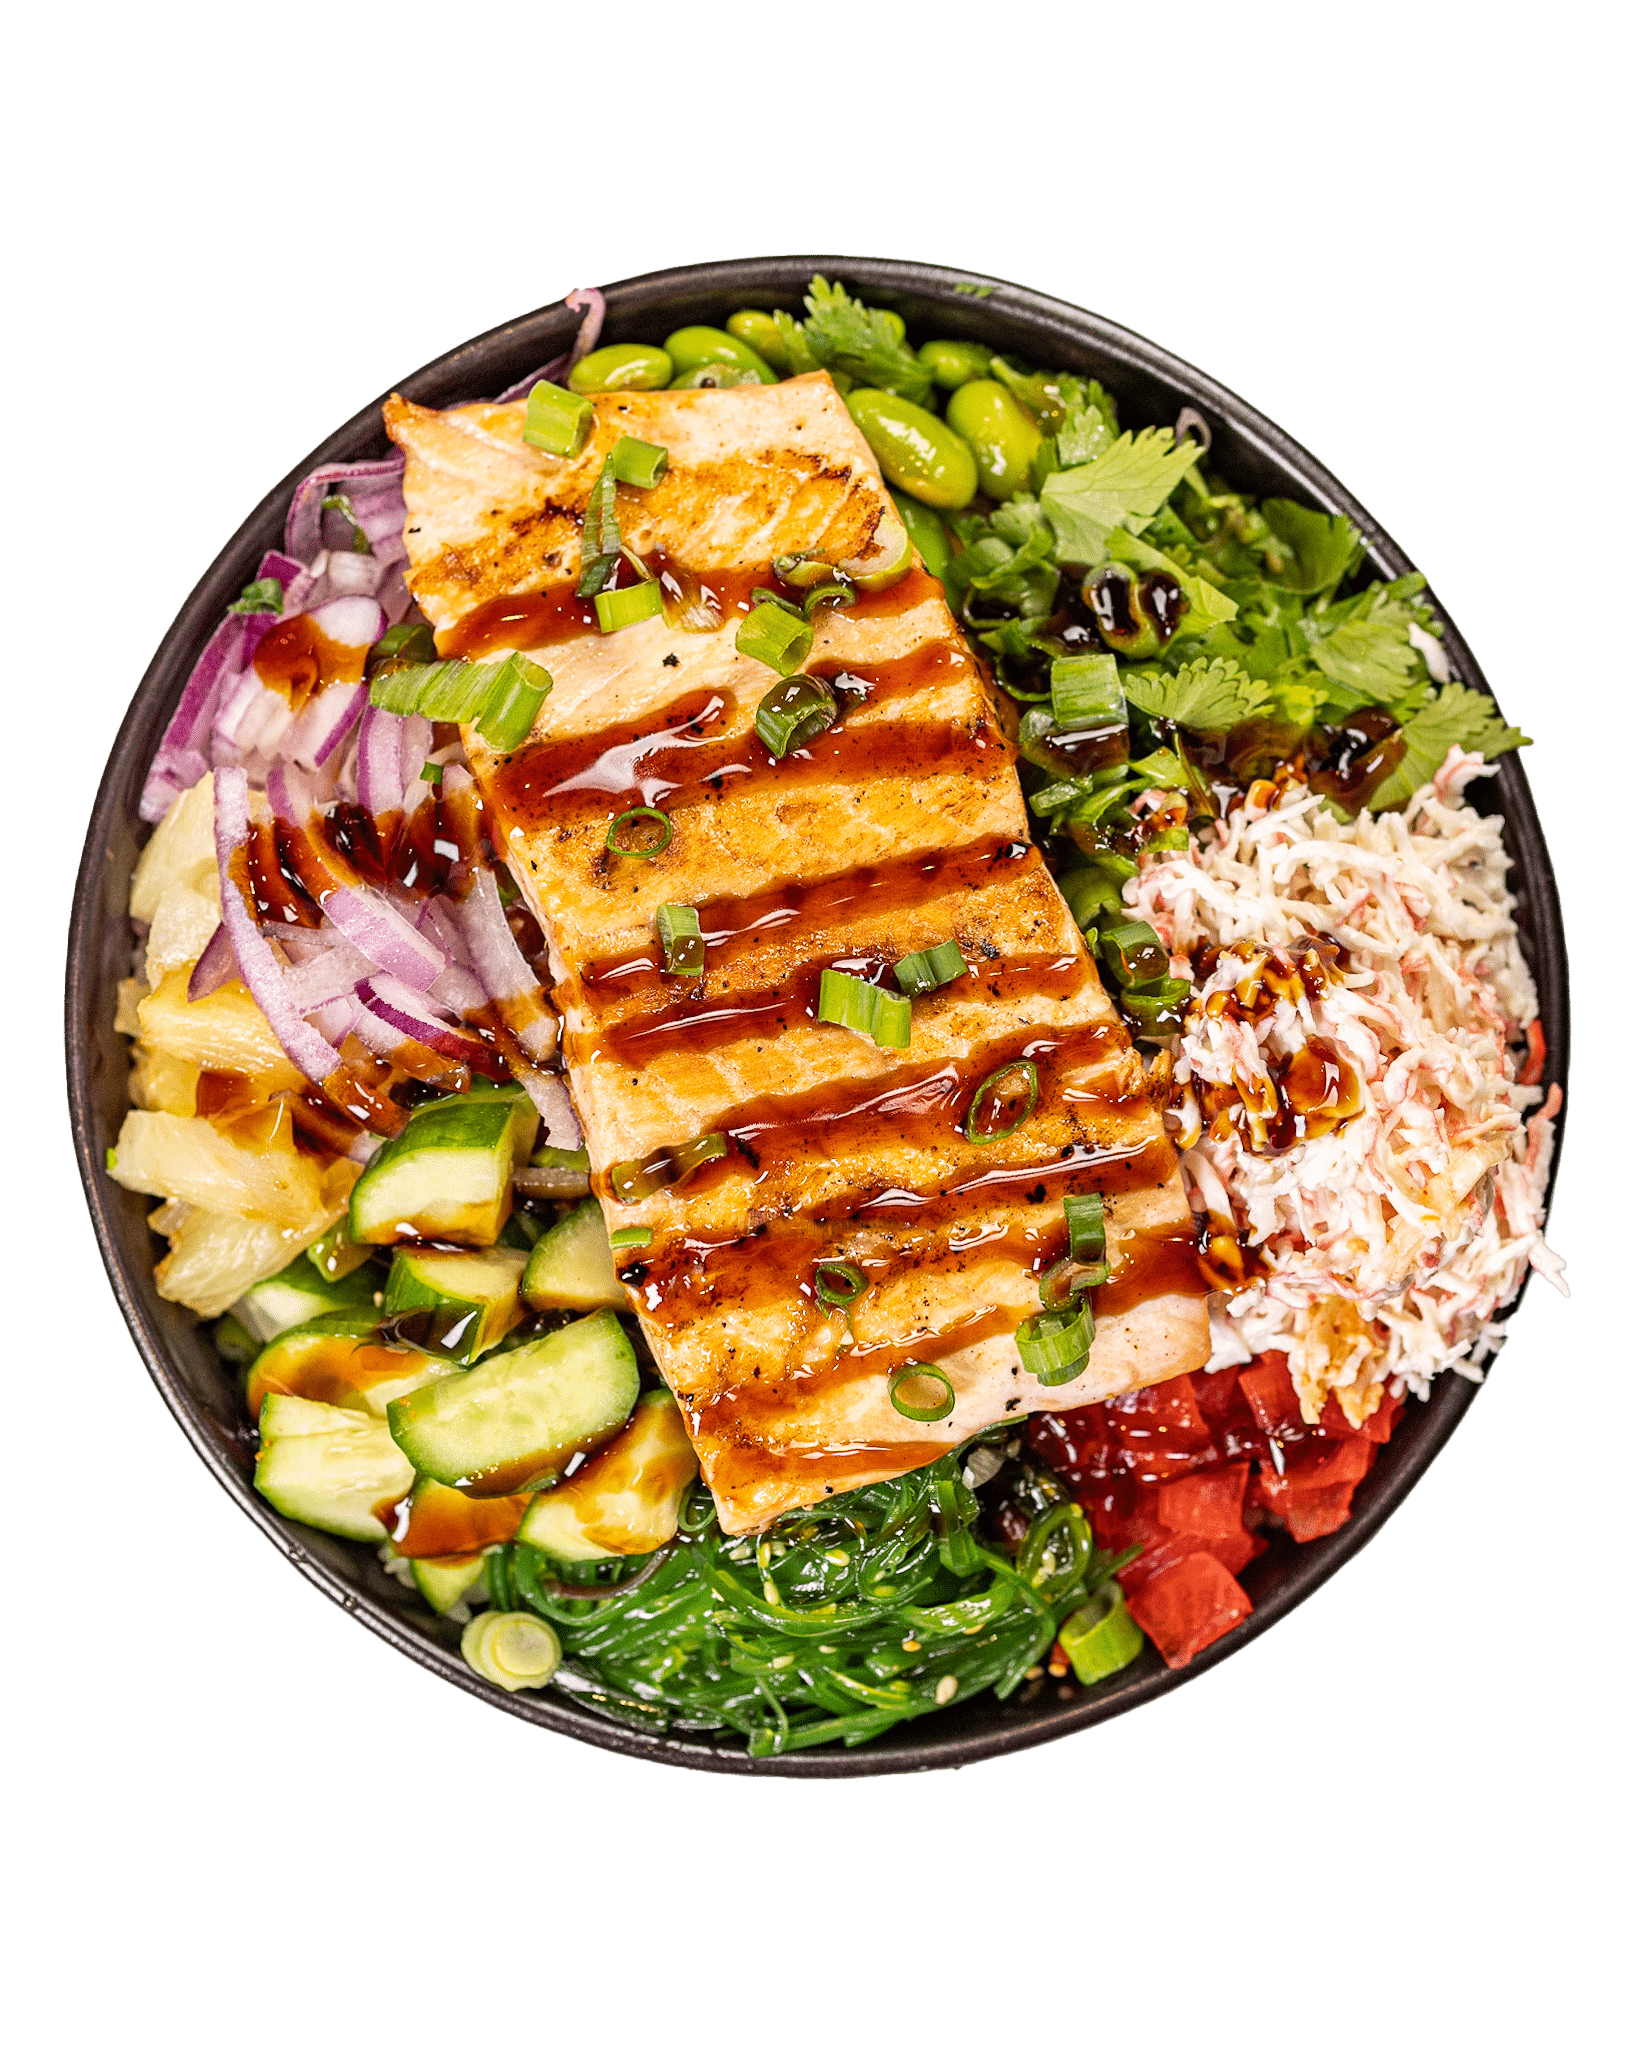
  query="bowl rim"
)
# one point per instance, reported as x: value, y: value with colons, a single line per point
x: 972, y: 302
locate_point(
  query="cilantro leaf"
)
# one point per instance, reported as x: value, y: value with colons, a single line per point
x: 266, y: 594
x: 1089, y: 425
x: 842, y: 334
x: 1458, y: 717
x: 1206, y: 696
x: 1323, y: 550
x: 1125, y: 486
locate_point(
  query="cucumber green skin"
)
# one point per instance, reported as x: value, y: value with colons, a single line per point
x: 443, y: 1585
x: 330, y: 1468
x: 572, y: 1266
x: 479, y: 1290
x: 954, y: 363
x: 623, y: 366
x: 520, y: 1414
x: 919, y: 454
x: 927, y: 532
x: 448, y: 1173
x: 1003, y: 436
x: 691, y: 348
x: 553, y: 1526
x: 297, y: 1295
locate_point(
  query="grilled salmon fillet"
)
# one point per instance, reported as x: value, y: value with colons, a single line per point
x: 901, y: 827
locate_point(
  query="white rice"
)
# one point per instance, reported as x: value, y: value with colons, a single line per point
x: 1384, y: 1245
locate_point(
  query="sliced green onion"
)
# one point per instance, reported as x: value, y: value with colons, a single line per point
x: 409, y: 640
x: 860, y: 1006
x: 794, y: 712
x: 1087, y: 692
x: 432, y: 771
x: 110, y: 1159
x: 557, y: 420
x: 680, y: 938
x: 917, y: 973
x: 838, y: 1283
x: 1135, y: 953
x: 1060, y: 1284
x: 839, y: 593
x: 338, y: 501
x: 266, y: 594
x: 991, y: 1094
x: 517, y: 1651
x: 1157, y: 1007
x: 1054, y: 1346
x: 1102, y: 1637
x: 803, y: 569
x: 916, y: 1370
x: 628, y: 607
x: 634, y: 1180
x: 618, y: 839
x: 639, y: 462
x: 769, y: 634
x: 1084, y: 1219
x: 600, y: 535
x: 761, y: 595
x: 516, y: 695
x: 631, y: 1239
x: 566, y: 1162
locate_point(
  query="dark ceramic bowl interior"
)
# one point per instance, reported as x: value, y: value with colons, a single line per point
x: 1150, y: 386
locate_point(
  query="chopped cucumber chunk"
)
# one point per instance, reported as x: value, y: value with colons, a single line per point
x: 572, y: 1266
x: 335, y: 1254
x: 342, y: 1361
x: 444, y: 1582
x: 330, y: 1467
x: 448, y: 1173
x: 297, y: 1295
x: 521, y: 1415
x: 456, y: 1305
x: 623, y: 1502
x: 444, y: 1522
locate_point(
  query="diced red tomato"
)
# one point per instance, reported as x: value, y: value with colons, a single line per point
x: 1188, y: 1605
x: 1376, y: 1427
x: 1234, y: 1552
x: 1318, y: 1510
x: 1160, y: 1429
x: 1205, y: 1503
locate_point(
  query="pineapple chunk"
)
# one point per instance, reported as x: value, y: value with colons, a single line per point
x: 182, y: 849
x: 126, y: 999
x: 190, y: 1160
x: 214, y: 1257
x: 224, y: 1031
x: 184, y: 921
x: 160, y: 1082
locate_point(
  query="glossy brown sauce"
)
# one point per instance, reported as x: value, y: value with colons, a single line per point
x: 445, y: 1523
x: 841, y: 1467
x: 733, y: 926
x: 677, y: 758
x: 295, y: 659
x: 264, y: 874
x: 697, y: 1025
x: 332, y: 1369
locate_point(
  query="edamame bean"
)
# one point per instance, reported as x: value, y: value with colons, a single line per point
x: 951, y: 363
x: 1000, y: 432
x: 927, y: 530
x: 919, y: 454
x: 762, y: 336
x: 894, y: 320
x: 622, y: 366
x: 691, y: 348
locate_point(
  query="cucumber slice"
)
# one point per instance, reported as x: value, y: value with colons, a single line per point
x: 456, y: 1305
x: 341, y: 1361
x: 330, y: 1467
x: 297, y: 1295
x: 443, y: 1582
x: 448, y: 1173
x: 335, y: 1254
x: 623, y: 1502
x: 520, y: 1415
x: 572, y: 1266
x: 444, y: 1522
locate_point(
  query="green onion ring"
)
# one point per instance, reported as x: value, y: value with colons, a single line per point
x: 838, y: 1283
x: 987, y: 1088
x: 638, y: 852
x: 915, y: 1370
x: 1061, y: 1283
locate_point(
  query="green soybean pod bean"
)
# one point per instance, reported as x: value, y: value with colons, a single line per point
x: 896, y: 321
x: 691, y: 348
x: 1003, y: 436
x: 622, y: 366
x: 951, y: 363
x: 919, y: 454
x: 927, y: 531
x: 762, y: 336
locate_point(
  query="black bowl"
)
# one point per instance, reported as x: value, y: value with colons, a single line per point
x: 1150, y: 386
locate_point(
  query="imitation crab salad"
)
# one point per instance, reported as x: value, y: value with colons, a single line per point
x: 823, y: 1033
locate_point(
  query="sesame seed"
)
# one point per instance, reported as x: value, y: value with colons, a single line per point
x: 945, y: 1691
x: 910, y: 1643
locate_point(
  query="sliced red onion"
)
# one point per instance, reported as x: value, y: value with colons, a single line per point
x: 181, y: 757
x: 350, y: 621
x: 437, y: 919
x: 323, y: 976
x: 384, y: 935
x: 375, y: 490
x: 327, y: 718
x: 335, y: 1019
x: 416, y: 735
x: 290, y: 793
x: 213, y: 967
x: 457, y: 991
x: 383, y: 1039
x: 508, y: 980
x: 258, y: 967
x: 353, y: 575
x: 394, y: 595
x: 285, y: 570
x: 381, y: 761
x: 560, y: 1126
x: 588, y: 301
x: 404, y: 1010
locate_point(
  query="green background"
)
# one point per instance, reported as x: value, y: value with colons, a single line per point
x: 234, y: 1813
